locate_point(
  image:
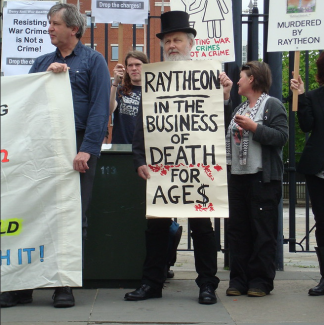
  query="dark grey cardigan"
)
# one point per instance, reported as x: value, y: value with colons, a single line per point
x: 272, y: 135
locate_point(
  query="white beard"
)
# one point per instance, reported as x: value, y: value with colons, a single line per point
x: 177, y: 56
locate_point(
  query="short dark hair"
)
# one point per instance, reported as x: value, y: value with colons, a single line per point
x: 320, y: 69
x: 262, y: 75
x: 71, y: 16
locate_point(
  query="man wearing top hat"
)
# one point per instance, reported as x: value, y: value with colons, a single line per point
x: 177, y: 39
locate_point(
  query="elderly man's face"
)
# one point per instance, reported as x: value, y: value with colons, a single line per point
x: 176, y: 46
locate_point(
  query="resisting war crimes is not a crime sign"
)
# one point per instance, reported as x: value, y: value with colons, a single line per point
x: 183, y: 119
x: 24, y: 35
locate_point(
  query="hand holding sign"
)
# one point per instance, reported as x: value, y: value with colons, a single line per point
x: 297, y: 84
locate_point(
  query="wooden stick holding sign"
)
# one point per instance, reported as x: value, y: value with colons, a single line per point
x: 296, y: 74
x: 120, y: 43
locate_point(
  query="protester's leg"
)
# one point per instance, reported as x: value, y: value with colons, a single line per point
x: 157, y: 240
x: 86, y: 184
x: 205, y: 252
x: 239, y: 233
x: 265, y: 198
x: 315, y: 187
x: 12, y: 298
x: 154, y: 275
x: 174, y: 240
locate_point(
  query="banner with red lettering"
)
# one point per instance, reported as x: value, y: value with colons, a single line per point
x: 183, y: 118
x: 213, y: 21
x: 40, y: 191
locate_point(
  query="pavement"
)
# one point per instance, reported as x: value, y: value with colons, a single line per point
x: 288, y: 303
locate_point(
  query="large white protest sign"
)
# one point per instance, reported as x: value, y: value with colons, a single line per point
x: 296, y: 25
x: 183, y: 118
x: 25, y: 35
x: 213, y: 21
x: 120, y: 11
x: 40, y: 191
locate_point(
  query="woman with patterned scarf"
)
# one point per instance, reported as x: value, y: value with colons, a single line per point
x: 256, y: 134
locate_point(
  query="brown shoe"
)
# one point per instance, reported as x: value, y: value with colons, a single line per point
x: 255, y: 292
x: 233, y: 292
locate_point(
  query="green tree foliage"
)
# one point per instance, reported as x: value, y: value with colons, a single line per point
x: 310, y: 82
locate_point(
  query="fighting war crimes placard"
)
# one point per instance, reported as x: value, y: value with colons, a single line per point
x: 25, y: 35
x: 121, y: 11
x: 213, y: 21
x: 183, y: 118
x: 296, y: 25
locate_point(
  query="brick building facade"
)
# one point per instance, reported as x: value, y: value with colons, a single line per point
x: 114, y: 34
x: 123, y: 38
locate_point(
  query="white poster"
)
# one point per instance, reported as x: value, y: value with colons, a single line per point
x: 213, y: 21
x: 24, y: 35
x: 120, y: 11
x: 183, y: 119
x: 296, y: 25
x: 40, y: 191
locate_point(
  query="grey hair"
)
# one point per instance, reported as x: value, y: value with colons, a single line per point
x: 190, y: 36
x: 71, y: 16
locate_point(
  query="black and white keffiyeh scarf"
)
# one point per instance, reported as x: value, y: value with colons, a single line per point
x: 244, y: 145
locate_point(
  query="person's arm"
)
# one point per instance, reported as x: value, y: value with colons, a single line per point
x: 305, y: 108
x: 113, y: 101
x: 305, y: 112
x: 227, y: 84
x: 119, y: 71
x: 98, y: 112
x: 274, y: 130
x: 138, y: 146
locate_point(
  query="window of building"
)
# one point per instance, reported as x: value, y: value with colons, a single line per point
x: 114, y: 25
x: 139, y: 25
x: 88, y: 15
x: 139, y: 48
x: 114, y: 52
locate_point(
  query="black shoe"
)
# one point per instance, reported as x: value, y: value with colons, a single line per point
x: 143, y: 292
x: 63, y: 297
x: 170, y: 274
x: 12, y: 298
x: 317, y: 290
x: 207, y: 294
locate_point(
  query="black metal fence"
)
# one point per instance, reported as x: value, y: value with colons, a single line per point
x: 294, y: 188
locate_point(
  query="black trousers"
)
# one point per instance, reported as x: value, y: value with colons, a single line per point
x: 252, y: 231
x: 315, y: 187
x: 86, y: 183
x: 205, y: 252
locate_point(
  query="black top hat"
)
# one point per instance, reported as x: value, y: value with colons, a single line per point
x: 175, y: 21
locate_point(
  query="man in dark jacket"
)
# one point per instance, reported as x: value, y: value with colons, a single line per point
x: 177, y: 39
x: 90, y: 82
